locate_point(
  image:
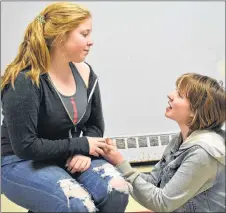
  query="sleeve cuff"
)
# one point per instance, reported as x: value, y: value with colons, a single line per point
x: 127, y: 171
x: 80, y: 145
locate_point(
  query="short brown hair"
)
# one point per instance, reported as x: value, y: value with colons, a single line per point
x: 207, y: 100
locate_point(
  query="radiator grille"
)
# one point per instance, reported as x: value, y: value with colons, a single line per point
x: 143, y: 148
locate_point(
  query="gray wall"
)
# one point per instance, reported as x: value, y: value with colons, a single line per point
x: 140, y: 50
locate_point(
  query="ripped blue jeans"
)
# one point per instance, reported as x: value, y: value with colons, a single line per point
x: 46, y: 187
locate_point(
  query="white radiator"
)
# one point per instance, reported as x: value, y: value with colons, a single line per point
x: 143, y: 148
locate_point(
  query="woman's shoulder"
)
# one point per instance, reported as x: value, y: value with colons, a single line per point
x: 23, y: 84
x: 85, y: 68
x: 91, y: 72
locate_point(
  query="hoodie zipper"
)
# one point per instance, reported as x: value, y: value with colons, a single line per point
x: 90, y: 95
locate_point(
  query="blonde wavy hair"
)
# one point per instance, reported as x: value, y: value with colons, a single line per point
x: 207, y: 100
x: 57, y: 20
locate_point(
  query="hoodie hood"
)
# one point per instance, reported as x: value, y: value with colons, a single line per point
x: 213, y: 142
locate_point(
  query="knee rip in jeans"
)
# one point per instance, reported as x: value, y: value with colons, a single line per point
x: 117, y: 182
x: 72, y: 189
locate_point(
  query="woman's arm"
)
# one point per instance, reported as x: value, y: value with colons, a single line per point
x: 154, y: 176
x: 197, y: 169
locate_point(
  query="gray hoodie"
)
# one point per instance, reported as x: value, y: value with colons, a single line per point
x: 190, y: 177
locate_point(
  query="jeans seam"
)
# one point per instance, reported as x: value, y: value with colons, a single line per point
x: 33, y: 189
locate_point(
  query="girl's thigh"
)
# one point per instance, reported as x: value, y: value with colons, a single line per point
x: 44, y: 187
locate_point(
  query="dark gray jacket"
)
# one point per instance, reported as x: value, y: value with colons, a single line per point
x: 36, y: 125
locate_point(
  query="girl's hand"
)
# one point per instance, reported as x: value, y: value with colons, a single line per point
x: 78, y: 163
x: 111, y: 153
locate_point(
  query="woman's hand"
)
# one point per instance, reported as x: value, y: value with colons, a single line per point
x: 96, y: 146
x: 111, y: 153
x: 78, y: 163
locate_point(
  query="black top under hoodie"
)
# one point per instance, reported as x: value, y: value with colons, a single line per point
x: 36, y: 125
